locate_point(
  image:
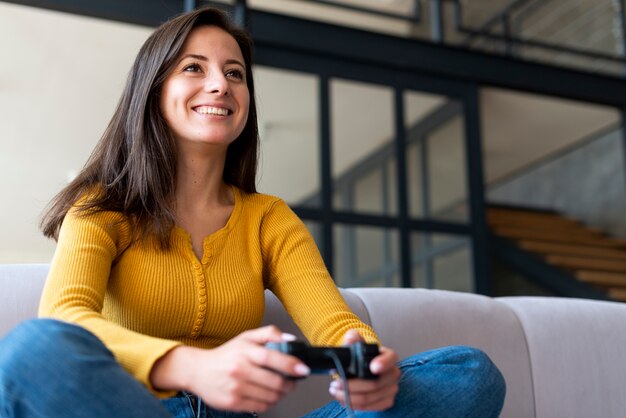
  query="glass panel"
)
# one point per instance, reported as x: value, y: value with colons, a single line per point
x: 289, y: 132
x: 447, y: 172
x: 435, y: 157
x: 392, y: 187
x: 421, y: 275
x: 555, y: 154
x: 452, y: 266
x: 362, y: 135
x: 366, y: 256
x: 415, y: 180
x: 441, y: 261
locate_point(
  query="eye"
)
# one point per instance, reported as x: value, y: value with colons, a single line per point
x: 234, y: 74
x: 192, y: 68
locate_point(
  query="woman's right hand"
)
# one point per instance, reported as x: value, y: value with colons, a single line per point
x: 240, y: 375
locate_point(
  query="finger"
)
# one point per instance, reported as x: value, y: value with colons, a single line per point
x: 258, y: 393
x: 352, y: 336
x: 385, y: 361
x: 242, y: 396
x: 277, y: 361
x: 378, y: 406
x: 366, y: 386
x: 372, y: 400
x: 270, y: 380
x: 368, y: 400
x: 263, y: 335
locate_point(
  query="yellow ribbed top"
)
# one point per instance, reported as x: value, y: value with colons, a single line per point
x: 142, y: 301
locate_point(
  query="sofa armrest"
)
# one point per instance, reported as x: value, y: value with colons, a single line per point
x: 21, y: 286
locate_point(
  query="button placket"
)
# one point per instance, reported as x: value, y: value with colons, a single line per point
x: 202, y: 300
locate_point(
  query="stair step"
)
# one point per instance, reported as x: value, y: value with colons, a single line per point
x: 587, y: 253
x: 511, y: 212
x: 578, y: 263
x: 564, y: 237
x: 601, y: 278
x: 544, y: 225
x: 618, y: 294
x: 570, y: 249
x: 519, y: 218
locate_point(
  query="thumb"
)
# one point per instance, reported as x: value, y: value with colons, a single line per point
x: 351, y: 337
x: 267, y: 334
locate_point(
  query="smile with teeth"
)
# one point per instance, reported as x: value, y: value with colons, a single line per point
x: 210, y: 110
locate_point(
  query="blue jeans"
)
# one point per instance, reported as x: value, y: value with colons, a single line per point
x: 54, y: 369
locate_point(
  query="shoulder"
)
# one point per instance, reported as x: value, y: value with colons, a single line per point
x: 267, y: 209
x: 94, y: 222
x: 261, y: 202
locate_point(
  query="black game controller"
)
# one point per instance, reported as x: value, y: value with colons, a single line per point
x: 354, y: 358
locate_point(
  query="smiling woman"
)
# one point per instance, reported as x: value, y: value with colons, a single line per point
x: 156, y: 291
x: 206, y: 98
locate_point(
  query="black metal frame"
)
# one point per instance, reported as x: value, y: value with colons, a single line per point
x: 147, y: 12
x: 359, y: 46
x: 333, y: 65
x: 139, y: 12
x: 311, y: 47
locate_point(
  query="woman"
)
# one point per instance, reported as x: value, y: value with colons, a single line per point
x: 165, y: 250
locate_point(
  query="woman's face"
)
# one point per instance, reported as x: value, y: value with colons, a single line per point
x: 205, y: 99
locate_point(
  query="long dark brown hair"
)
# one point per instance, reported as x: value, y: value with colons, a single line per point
x: 132, y: 170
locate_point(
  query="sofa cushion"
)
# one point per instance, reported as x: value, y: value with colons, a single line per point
x: 436, y: 318
x: 578, y: 352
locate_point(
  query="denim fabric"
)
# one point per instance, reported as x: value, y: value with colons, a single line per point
x: 454, y: 382
x: 54, y: 369
x: 185, y: 405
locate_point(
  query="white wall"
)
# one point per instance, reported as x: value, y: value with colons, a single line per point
x: 60, y: 79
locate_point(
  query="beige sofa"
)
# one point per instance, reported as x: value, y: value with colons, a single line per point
x: 560, y: 357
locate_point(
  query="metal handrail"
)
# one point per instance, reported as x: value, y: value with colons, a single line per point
x: 504, y: 18
x: 509, y: 40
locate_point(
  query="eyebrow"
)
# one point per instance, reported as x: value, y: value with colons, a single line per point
x: 203, y: 58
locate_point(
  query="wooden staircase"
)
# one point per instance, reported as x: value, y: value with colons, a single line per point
x: 590, y: 255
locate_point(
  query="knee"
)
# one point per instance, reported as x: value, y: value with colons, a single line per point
x: 481, y: 376
x: 40, y: 342
x: 465, y: 374
x: 477, y: 368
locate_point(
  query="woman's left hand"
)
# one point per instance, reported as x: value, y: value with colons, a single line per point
x: 370, y: 395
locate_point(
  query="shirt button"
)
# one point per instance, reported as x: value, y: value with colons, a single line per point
x: 202, y: 308
x: 196, y: 329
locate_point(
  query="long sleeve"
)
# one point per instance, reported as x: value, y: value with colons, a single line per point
x: 141, y: 301
x: 297, y: 275
x: 77, y: 283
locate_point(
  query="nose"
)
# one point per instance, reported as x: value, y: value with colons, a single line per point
x: 216, y: 83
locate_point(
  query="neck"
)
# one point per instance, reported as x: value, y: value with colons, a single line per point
x: 200, y: 182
